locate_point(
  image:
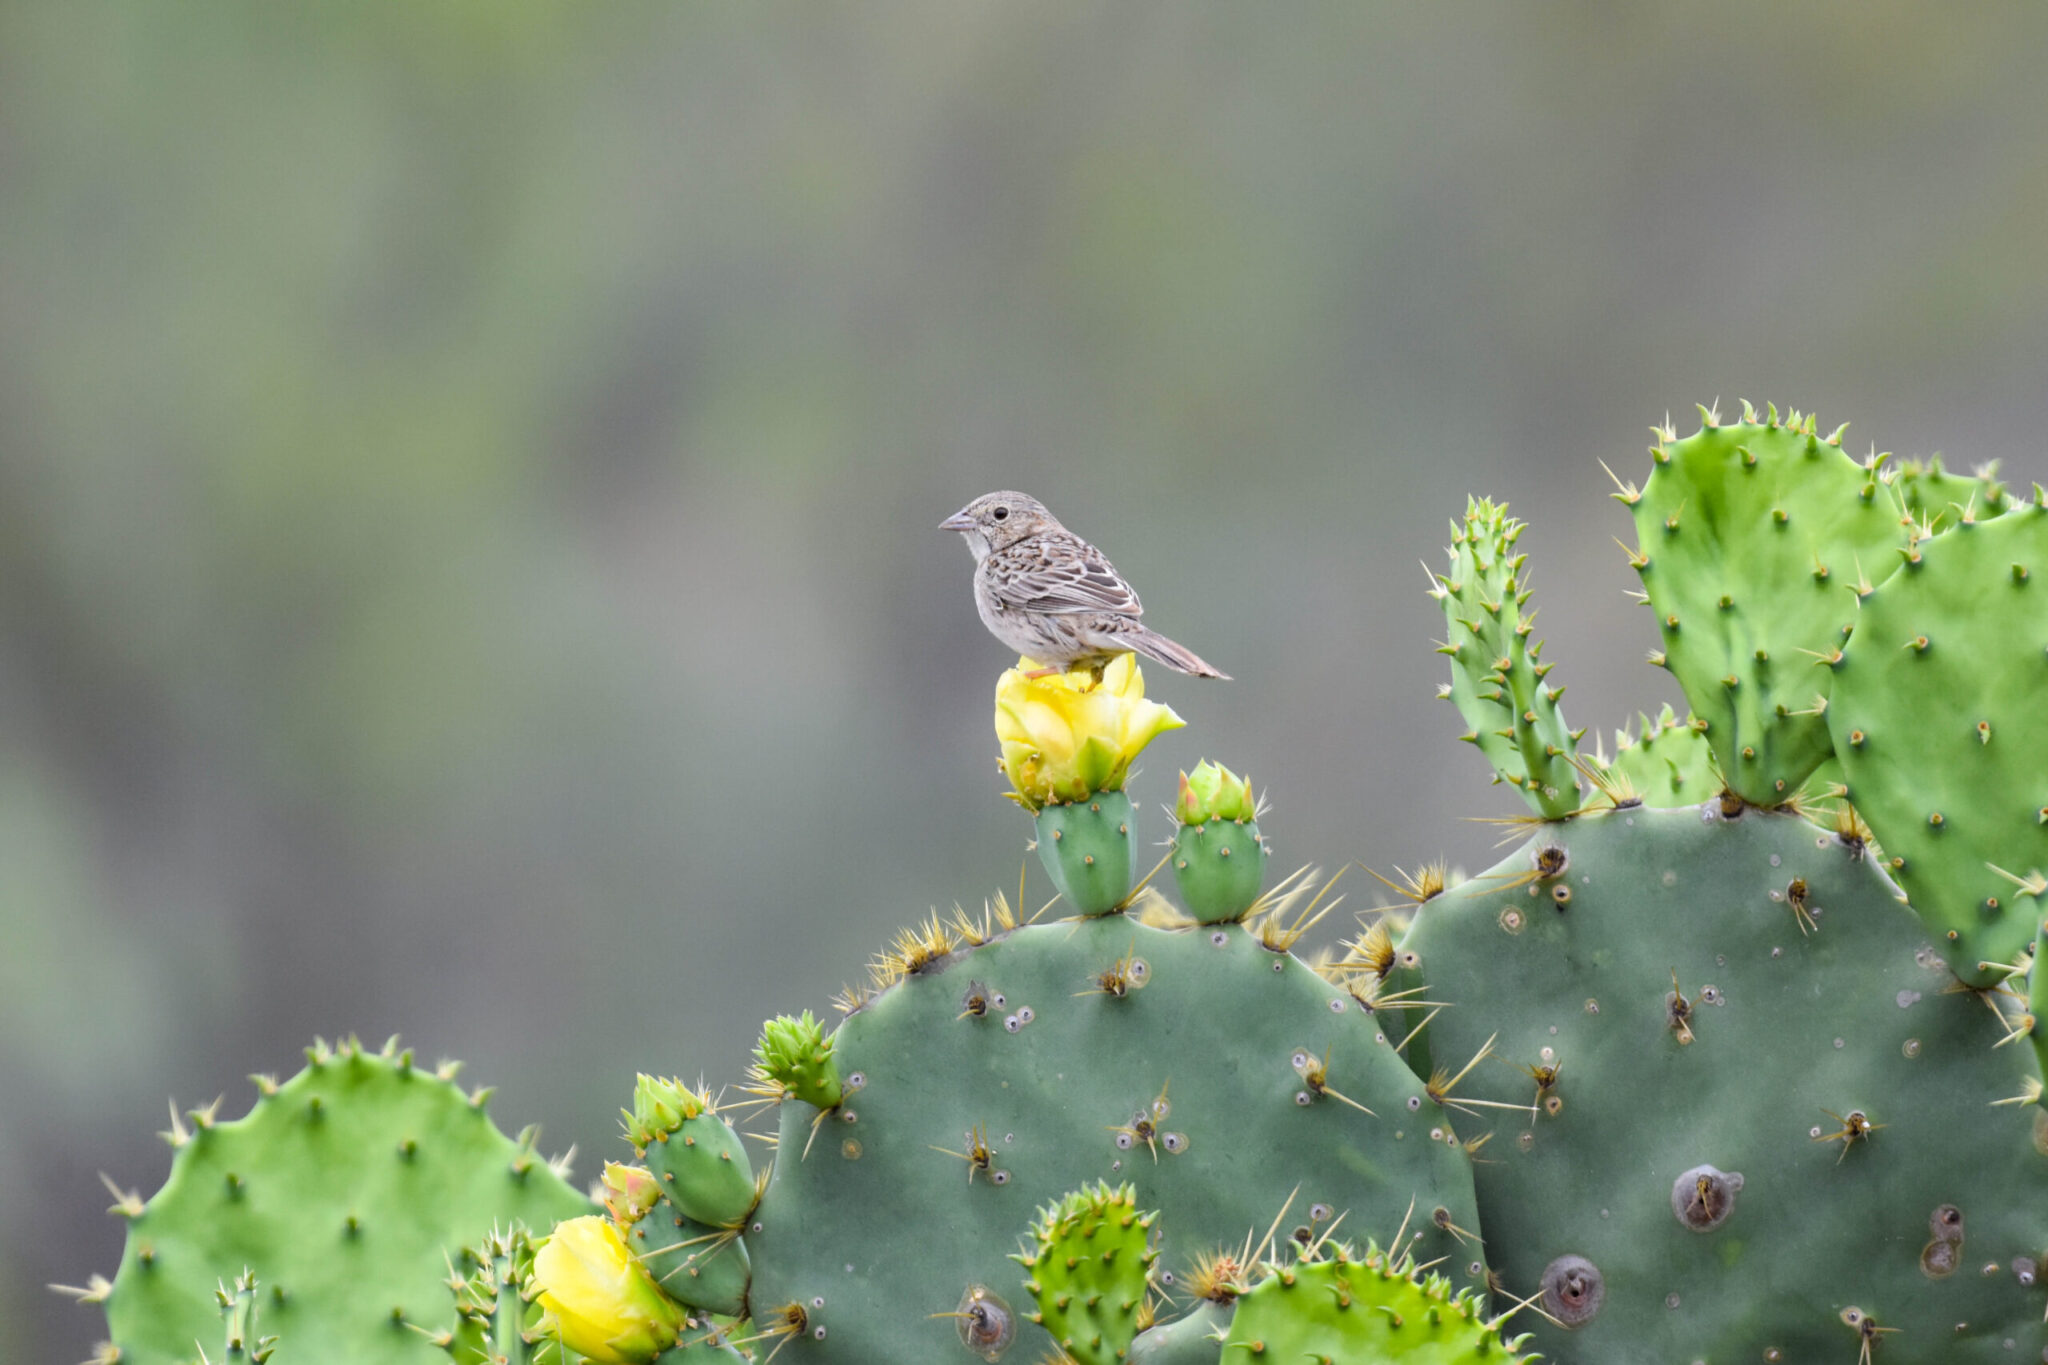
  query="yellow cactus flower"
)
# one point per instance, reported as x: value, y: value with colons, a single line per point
x: 1066, y: 736
x: 598, y: 1300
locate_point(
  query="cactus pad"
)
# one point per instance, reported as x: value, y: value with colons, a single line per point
x: 1758, y: 1086
x: 345, y: 1190
x: 1937, y: 716
x: 1666, y: 762
x: 1496, y: 679
x: 1751, y: 537
x: 1023, y: 1064
x: 794, y: 1059
x: 1090, y: 1267
x: 1337, y: 1304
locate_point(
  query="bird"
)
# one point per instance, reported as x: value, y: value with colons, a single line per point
x: 1053, y: 597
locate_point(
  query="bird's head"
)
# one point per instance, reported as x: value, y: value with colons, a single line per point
x: 995, y: 520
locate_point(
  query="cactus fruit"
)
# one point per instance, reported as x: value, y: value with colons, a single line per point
x: 1496, y: 679
x: 1751, y: 538
x: 1740, y: 1154
x: 1935, y: 712
x: 1086, y: 849
x: 1002, y: 1067
x: 1090, y: 1267
x: 701, y: 1266
x: 1219, y: 858
x: 692, y: 1151
x: 344, y: 1190
x: 1336, y: 1303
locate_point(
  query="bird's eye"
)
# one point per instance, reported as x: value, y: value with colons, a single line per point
x: 1000, y: 513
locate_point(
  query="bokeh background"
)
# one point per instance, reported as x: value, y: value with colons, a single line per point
x: 468, y: 470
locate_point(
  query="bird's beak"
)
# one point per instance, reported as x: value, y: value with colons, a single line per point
x: 959, y: 521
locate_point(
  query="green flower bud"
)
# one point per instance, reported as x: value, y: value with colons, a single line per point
x: 1213, y: 792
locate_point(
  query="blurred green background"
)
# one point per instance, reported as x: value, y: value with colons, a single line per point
x: 468, y: 471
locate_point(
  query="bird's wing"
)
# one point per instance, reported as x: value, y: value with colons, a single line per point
x: 1063, y: 573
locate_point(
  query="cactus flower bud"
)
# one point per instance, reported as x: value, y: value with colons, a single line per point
x: 1066, y: 737
x: 1213, y: 792
x: 629, y: 1192
x: 597, y: 1299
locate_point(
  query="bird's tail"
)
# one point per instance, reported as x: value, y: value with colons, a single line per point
x: 1155, y: 646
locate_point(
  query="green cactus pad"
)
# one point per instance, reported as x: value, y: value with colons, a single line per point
x: 1938, y: 717
x: 794, y: 1059
x: 1196, y: 1338
x: 496, y: 1324
x: 1666, y: 762
x: 1752, y: 537
x: 702, y: 1266
x: 1939, y: 500
x: 1496, y: 679
x: 1808, y: 991
x: 1341, y: 1305
x: 1090, y: 1269
x: 1104, y: 1049
x: 345, y: 1190
x: 1220, y: 867
x: 238, y: 1307
x: 1086, y: 849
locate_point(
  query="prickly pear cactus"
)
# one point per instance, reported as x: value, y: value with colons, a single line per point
x: 1003, y: 1067
x: 495, y: 1323
x: 1936, y: 498
x: 1666, y: 762
x: 1936, y: 715
x: 345, y: 1190
x: 1090, y: 1269
x: 1758, y: 1085
x: 1497, y: 680
x: 1751, y: 536
x: 1337, y: 1303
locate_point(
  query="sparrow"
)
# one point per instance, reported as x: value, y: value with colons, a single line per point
x: 1051, y: 596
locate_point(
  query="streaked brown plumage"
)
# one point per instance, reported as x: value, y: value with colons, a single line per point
x: 1050, y: 595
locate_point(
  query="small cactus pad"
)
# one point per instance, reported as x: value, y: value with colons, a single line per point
x: 1086, y: 849
x: 345, y: 1190
x: 1756, y: 1086
x: 238, y: 1309
x: 1496, y: 678
x: 495, y: 1321
x: 1338, y: 1304
x: 1667, y: 762
x: 1938, y: 718
x: 692, y: 1151
x: 1194, y: 1338
x: 1751, y: 540
x: 794, y: 1058
x: 1090, y: 1270
x: 1017, y: 1065
x: 1939, y: 500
